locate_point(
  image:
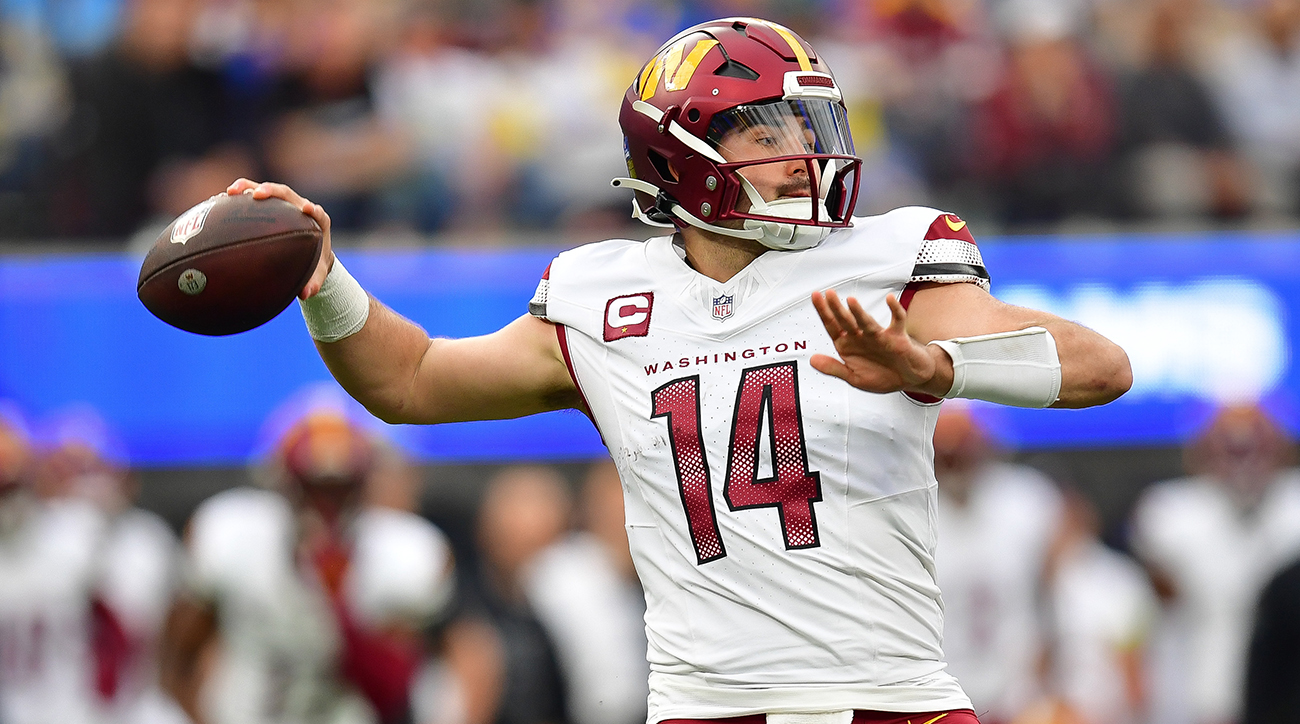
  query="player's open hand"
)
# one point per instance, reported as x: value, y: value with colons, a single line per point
x: 266, y: 190
x: 872, y: 357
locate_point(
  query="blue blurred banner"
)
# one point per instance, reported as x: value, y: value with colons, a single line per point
x: 1204, y: 319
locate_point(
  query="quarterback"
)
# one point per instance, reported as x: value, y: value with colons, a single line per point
x: 772, y: 436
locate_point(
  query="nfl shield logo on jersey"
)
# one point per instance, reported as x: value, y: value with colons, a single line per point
x: 722, y: 307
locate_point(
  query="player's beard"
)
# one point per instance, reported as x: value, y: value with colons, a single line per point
x: 793, y: 187
x: 796, y: 186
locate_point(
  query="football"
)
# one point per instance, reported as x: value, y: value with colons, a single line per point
x: 229, y: 264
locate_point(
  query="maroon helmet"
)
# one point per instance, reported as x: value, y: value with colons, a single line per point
x: 326, y: 459
x: 717, y: 105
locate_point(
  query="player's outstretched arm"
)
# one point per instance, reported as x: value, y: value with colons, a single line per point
x: 1093, y: 370
x: 875, y: 358
x: 400, y: 375
x: 390, y: 365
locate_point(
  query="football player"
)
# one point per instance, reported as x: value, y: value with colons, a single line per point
x: 317, y: 601
x: 136, y: 557
x: 1102, y: 607
x: 585, y: 592
x: 772, y: 435
x: 1211, y: 542
x: 997, y: 522
x: 48, y: 578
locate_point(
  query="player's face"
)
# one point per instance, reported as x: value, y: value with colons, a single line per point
x: 1243, y: 450
x: 331, y: 500
x: 781, y: 179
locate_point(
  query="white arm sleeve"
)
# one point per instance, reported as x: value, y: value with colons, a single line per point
x: 1019, y: 368
x: 339, y: 309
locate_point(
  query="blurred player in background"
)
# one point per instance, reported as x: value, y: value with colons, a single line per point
x: 86, y: 578
x: 1211, y: 541
x: 1100, y: 612
x: 775, y: 453
x: 525, y: 510
x: 136, y: 560
x: 586, y: 593
x: 997, y: 521
x: 304, y: 604
x: 48, y: 580
x: 393, y: 482
x: 460, y: 680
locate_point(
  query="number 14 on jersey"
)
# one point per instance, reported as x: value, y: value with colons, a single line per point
x: 767, y: 396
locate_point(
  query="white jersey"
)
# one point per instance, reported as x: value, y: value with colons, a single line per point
x: 991, y: 555
x: 1219, y: 558
x: 47, y: 578
x: 594, y: 615
x: 781, y: 521
x: 1102, y: 609
x: 139, y: 561
x: 280, y: 639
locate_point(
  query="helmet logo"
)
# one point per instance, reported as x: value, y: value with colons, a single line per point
x: 672, y: 67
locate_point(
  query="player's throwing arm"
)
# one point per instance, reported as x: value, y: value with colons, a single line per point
x: 390, y: 365
x: 954, y: 340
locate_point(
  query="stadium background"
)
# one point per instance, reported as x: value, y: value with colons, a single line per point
x: 1132, y: 164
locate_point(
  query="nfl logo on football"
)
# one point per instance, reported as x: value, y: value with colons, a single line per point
x: 191, y: 222
x: 722, y: 307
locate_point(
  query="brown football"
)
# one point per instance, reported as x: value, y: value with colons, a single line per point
x: 229, y: 264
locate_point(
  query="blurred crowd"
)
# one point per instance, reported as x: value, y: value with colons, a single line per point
x: 414, y: 117
x: 321, y: 592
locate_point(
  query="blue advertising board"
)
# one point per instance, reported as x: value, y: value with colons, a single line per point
x: 1205, y: 319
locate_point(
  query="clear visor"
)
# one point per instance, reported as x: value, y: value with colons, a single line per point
x: 782, y: 128
x: 815, y: 180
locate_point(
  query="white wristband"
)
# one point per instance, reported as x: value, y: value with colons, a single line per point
x: 339, y: 309
x: 1018, y: 368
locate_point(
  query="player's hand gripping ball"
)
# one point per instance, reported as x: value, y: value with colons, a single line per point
x: 229, y: 264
